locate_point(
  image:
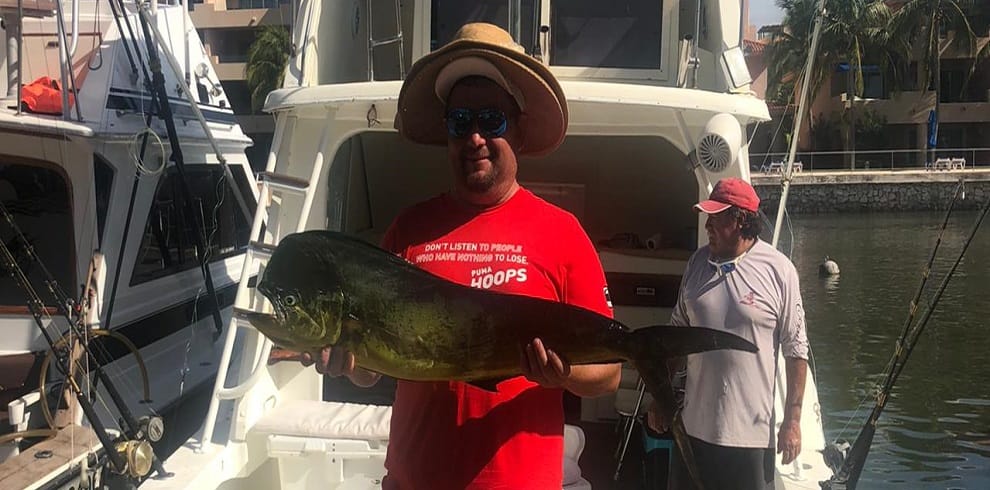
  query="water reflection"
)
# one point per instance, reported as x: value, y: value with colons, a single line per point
x: 934, y: 432
x: 831, y: 284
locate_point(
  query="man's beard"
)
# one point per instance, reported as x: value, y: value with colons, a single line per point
x: 480, y: 184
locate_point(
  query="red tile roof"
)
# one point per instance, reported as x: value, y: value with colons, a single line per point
x: 751, y: 47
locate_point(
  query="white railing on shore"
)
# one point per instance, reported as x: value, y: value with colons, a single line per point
x: 940, y: 159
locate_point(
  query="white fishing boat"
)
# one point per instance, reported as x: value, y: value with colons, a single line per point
x: 93, y: 179
x: 659, y: 101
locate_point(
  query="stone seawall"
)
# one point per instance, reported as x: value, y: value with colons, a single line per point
x: 833, y: 192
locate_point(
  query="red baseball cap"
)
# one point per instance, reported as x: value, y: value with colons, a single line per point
x: 727, y: 193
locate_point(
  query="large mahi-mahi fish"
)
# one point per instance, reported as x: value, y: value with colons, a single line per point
x: 330, y: 289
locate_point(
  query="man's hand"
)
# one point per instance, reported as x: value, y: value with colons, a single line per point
x: 335, y: 362
x: 543, y: 366
x: 331, y: 362
x: 789, y: 440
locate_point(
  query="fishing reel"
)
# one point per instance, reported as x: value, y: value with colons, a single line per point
x: 137, y: 454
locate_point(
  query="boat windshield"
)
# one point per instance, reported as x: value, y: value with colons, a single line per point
x: 519, y: 17
x: 38, y: 198
x: 623, y: 34
x: 605, y: 34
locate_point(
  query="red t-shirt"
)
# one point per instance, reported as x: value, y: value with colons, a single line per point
x: 450, y: 435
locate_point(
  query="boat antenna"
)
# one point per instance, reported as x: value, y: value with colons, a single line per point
x: 847, y: 477
x: 787, y: 173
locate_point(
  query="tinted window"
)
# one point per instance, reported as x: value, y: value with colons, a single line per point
x: 38, y: 199
x: 169, y: 245
x: 450, y: 15
x: 606, y: 34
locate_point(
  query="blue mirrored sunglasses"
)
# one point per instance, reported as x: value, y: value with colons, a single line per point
x: 492, y: 123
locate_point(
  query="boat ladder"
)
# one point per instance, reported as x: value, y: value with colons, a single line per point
x: 275, y: 187
x: 396, y: 39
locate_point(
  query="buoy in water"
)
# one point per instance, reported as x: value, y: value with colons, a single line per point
x: 828, y: 268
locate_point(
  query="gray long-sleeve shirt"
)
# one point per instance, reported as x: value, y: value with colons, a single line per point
x: 729, y: 394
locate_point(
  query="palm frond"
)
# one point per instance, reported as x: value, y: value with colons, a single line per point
x: 267, y: 59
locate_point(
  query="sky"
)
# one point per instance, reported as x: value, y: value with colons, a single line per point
x: 764, y: 12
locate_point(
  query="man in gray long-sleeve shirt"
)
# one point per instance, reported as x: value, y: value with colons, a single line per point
x: 744, y: 286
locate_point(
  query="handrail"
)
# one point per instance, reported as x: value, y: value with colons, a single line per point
x: 237, y: 391
x: 242, y: 293
x: 74, y: 42
x: 893, y: 159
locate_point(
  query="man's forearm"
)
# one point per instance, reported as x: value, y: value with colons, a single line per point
x: 797, y: 372
x: 593, y: 380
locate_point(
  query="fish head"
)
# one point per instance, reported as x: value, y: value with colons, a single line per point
x: 302, y: 283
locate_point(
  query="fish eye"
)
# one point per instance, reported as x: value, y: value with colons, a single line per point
x: 290, y: 300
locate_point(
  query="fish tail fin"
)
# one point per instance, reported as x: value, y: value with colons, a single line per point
x: 652, y: 347
x: 672, y: 341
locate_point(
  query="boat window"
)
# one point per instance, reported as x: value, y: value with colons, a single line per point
x: 610, y: 34
x: 449, y: 15
x: 103, y: 181
x: 168, y: 245
x: 38, y: 198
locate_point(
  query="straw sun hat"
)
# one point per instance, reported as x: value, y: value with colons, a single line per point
x: 489, y: 51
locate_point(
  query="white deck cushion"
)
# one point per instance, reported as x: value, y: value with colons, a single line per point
x: 329, y: 420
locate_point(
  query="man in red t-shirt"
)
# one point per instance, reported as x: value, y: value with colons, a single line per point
x: 487, y: 101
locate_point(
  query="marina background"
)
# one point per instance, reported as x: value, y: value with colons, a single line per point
x: 935, y: 432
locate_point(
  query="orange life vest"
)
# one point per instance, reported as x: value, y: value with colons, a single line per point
x: 44, y: 96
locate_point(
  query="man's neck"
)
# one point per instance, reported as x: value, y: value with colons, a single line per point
x: 493, y: 198
x: 741, y: 248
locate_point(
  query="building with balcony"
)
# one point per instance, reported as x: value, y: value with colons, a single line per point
x: 963, y: 104
x: 902, y: 109
x: 227, y: 29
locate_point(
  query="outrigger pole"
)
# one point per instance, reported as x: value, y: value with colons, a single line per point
x: 852, y: 467
x: 63, y: 303
x: 158, y: 86
x: 798, y: 119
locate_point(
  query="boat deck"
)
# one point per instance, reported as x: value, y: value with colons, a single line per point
x: 598, y: 462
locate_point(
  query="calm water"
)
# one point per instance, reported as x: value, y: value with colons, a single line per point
x: 935, y: 432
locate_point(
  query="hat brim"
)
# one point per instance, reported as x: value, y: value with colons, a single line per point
x: 419, y: 116
x: 711, y: 207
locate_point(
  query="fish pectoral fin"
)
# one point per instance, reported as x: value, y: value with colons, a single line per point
x: 486, y: 384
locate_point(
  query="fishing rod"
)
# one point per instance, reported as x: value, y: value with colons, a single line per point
x: 852, y: 467
x: 925, y: 274
x: 118, y: 13
x: 63, y: 363
x: 134, y: 430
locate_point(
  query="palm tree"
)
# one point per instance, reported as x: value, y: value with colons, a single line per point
x: 853, y: 32
x: 267, y: 58
x: 923, y: 23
